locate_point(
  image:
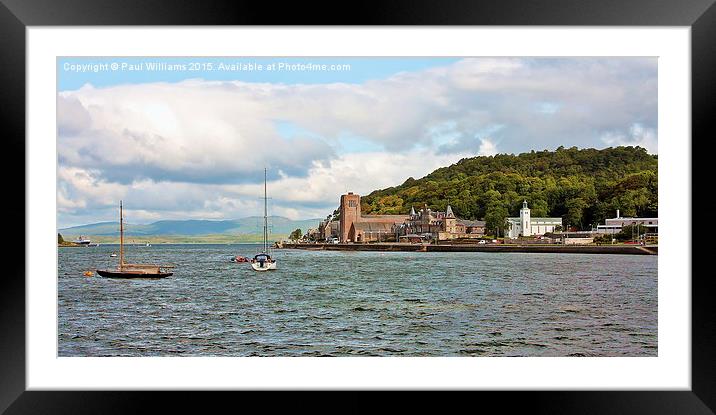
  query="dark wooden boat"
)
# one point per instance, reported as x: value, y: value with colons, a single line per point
x: 135, y: 273
x: 124, y: 270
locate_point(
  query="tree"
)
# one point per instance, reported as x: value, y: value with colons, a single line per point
x: 60, y: 239
x: 496, y: 219
x: 603, y: 239
x: 296, y: 235
x: 538, y: 207
x: 575, y: 209
x: 630, y: 232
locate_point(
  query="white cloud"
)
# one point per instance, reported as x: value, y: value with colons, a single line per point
x: 358, y: 172
x: 79, y: 188
x: 636, y: 135
x: 72, y: 116
x: 487, y: 147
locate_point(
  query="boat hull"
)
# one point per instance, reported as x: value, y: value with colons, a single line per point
x: 266, y: 267
x: 130, y: 274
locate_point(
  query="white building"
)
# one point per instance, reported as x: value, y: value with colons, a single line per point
x: 526, y: 225
x: 615, y: 225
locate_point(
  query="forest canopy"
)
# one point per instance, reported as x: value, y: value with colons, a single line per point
x: 583, y: 187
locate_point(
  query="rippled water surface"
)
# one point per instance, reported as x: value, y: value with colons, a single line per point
x: 321, y: 303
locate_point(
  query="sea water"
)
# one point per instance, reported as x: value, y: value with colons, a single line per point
x: 327, y: 303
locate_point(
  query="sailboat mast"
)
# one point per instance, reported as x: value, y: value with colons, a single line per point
x: 121, y: 237
x: 265, y: 215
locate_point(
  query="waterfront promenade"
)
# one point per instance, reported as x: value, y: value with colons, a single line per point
x: 534, y: 248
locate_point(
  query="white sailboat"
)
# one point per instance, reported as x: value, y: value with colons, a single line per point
x: 263, y: 261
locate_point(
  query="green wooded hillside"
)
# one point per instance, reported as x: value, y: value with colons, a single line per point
x: 581, y: 186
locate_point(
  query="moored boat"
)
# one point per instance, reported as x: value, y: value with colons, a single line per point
x: 125, y: 270
x: 136, y: 271
x: 263, y: 261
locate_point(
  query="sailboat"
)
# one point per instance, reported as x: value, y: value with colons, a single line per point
x: 263, y: 261
x: 125, y: 270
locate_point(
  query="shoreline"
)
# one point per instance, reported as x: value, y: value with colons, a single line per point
x: 398, y: 247
x: 406, y: 247
x: 161, y: 244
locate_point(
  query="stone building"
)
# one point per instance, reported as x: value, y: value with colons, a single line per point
x: 440, y: 225
x: 328, y: 229
x: 312, y: 234
x: 354, y: 227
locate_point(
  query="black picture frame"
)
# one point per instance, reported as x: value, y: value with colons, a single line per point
x: 16, y: 15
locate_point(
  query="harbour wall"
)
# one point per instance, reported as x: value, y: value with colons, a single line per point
x: 571, y: 249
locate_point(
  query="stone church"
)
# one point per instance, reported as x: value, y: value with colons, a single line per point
x: 354, y: 227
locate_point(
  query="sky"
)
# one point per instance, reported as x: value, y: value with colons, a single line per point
x: 188, y: 138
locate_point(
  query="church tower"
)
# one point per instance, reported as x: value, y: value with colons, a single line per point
x: 349, y: 213
x: 450, y: 220
x: 525, y: 222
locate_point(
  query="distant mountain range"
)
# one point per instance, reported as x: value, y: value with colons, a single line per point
x: 251, y: 225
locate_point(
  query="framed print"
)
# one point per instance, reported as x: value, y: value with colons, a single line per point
x: 409, y: 196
